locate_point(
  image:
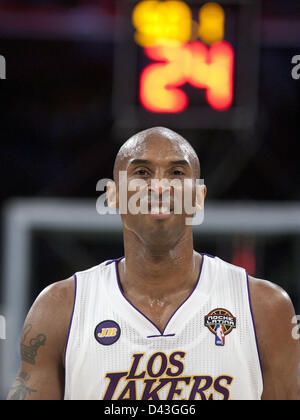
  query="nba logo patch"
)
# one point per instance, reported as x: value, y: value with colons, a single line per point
x: 220, y: 336
x: 220, y: 322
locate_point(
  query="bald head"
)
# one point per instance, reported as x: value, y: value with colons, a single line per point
x: 153, y: 137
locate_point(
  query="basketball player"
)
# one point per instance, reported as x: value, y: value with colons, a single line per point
x: 164, y: 322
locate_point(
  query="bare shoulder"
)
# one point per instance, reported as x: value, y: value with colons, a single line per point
x: 275, y: 323
x: 51, y: 312
x: 54, y: 301
x: 273, y: 310
x: 58, y: 293
x: 269, y: 297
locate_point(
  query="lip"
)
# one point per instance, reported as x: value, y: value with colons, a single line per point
x: 160, y: 216
x: 160, y: 210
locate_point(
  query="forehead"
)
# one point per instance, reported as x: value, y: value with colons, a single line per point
x: 158, y: 149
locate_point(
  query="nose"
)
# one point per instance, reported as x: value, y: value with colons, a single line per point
x: 159, y: 187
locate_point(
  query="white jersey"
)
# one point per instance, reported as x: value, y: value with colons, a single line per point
x: 208, y: 349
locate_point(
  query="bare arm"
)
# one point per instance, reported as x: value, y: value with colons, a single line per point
x: 41, y: 374
x: 279, y: 348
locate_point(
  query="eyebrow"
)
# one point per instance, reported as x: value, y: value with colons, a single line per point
x: 180, y: 162
x: 147, y: 162
x: 139, y: 162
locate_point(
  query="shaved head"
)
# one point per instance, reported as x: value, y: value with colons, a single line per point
x: 135, y: 146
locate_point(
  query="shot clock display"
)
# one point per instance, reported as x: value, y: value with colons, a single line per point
x: 186, y: 63
x: 167, y: 32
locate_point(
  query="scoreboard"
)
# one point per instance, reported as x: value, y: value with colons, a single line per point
x: 167, y: 33
x: 188, y: 64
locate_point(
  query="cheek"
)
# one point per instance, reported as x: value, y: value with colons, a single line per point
x: 185, y: 199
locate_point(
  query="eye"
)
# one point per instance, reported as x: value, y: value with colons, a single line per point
x: 141, y: 172
x: 178, y: 172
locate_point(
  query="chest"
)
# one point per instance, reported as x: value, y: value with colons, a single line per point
x: 159, y: 311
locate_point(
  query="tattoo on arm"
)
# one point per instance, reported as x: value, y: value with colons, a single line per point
x: 29, y: 350
x: 20, y: 391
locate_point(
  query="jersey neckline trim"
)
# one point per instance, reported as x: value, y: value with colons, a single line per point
x: 161, y: 332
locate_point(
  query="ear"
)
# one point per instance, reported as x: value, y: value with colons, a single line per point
x: 111, y: 195
x: 201, y: 191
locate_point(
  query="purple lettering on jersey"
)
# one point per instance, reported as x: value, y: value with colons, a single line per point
x: 160, y: 377
x: 201, y: 384
x: 114, y: 382
x: 222, y: 389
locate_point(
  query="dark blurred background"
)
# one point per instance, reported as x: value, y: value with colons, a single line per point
x: 57, y: 122
x: 63, y: 117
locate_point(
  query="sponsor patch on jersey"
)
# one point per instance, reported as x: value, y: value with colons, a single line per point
x: 107, y: 332
x: 220, y: 322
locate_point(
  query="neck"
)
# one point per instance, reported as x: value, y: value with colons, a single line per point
x: 155, y: 272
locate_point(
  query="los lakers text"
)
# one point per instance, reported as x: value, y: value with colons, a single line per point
x: 163, y: 378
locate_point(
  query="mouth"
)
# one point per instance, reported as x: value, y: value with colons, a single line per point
x: 160, y: 216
